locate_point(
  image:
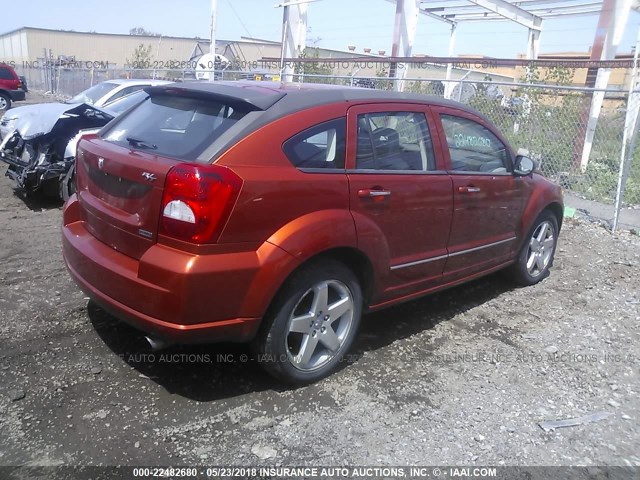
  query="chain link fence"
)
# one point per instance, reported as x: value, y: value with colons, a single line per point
x: 549, y: 121
x: 67, y: 82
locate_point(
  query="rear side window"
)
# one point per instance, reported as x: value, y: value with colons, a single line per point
x: 172, y: 126
x: 321, y: 146
x: 5, y: 74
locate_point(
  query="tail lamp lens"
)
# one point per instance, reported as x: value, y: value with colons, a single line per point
x: 197, y: 201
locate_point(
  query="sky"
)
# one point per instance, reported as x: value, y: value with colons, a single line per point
x: 332, y: 24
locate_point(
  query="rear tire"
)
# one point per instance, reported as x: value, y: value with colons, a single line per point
x: 311, y: 325
x: 5, y: 102
x: 537, y: 254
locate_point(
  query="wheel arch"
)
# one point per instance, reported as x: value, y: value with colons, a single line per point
x: 272, y: 333
x: 315, y: 237
x: 545, y: 196
x: 530, y: 217
x: 352, y: 258
x: 355, y: 260
x: 558, y: 211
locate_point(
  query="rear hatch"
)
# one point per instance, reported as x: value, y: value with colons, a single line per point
x: 121, y: 194
x: 121, y: 172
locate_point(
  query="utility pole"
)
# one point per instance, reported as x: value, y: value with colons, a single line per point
x: 629, y: 135
x: 395, y: 47
x: 406, y: 22
x: 283, y: 43
x: 611, y: 25
x: 294, y: 34
x: 214, y: 13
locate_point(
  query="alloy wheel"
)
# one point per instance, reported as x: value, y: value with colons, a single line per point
x: 319, y: 325
x: 541, y: 246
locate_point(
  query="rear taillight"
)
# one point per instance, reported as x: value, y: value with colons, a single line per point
x: 79, y: 151
x: 197, y: 201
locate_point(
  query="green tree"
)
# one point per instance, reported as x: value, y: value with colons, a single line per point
x: 141, y: 57
x: 313, y: 68
x: 384, y: 83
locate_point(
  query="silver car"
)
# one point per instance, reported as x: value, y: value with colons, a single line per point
x: 40, y: 146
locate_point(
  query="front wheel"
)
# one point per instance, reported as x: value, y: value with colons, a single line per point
x: 536, y: 257
x: 312, y: 324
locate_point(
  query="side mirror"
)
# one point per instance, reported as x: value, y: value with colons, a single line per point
x: 523, y: 166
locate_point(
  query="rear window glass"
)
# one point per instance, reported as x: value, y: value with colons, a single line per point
x: 93, y: 94
x: 123, y: 103
x: 172, y: 126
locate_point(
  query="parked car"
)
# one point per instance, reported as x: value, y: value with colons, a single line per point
x: 24, y: 83
x: 277, y: 214
x: 98, y: 95
x: 516, y: 106
x: 12, y: 89
x: 40, y: 146
x: 363, y: 82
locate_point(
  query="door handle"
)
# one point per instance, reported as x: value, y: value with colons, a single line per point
x: 468, y: 189
x: 368, y: 192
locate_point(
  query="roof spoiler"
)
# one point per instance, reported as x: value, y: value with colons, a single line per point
x: 241, y: 97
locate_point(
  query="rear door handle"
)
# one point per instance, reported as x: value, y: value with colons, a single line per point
x: 468, y: 189
x: 369, y: 192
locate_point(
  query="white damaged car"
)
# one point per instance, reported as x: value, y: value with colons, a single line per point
x: 38, y: 141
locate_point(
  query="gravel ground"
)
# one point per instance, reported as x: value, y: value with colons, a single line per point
x: 462, y: 378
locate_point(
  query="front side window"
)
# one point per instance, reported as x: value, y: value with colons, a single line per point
x: 321, y: 146
x: 173, y: 126
x: 394, y: 141
x: 473, y: 147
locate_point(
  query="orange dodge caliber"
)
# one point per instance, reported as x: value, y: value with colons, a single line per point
x: 277, y: 214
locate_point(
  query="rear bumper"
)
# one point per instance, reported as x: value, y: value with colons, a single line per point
x: 173, y: 294
x: 17, y: 95
x: 235, y: 329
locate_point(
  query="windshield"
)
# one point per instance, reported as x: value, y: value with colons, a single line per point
x: 93, y: 94
x: 176, y: 127
x: 123, y: 103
